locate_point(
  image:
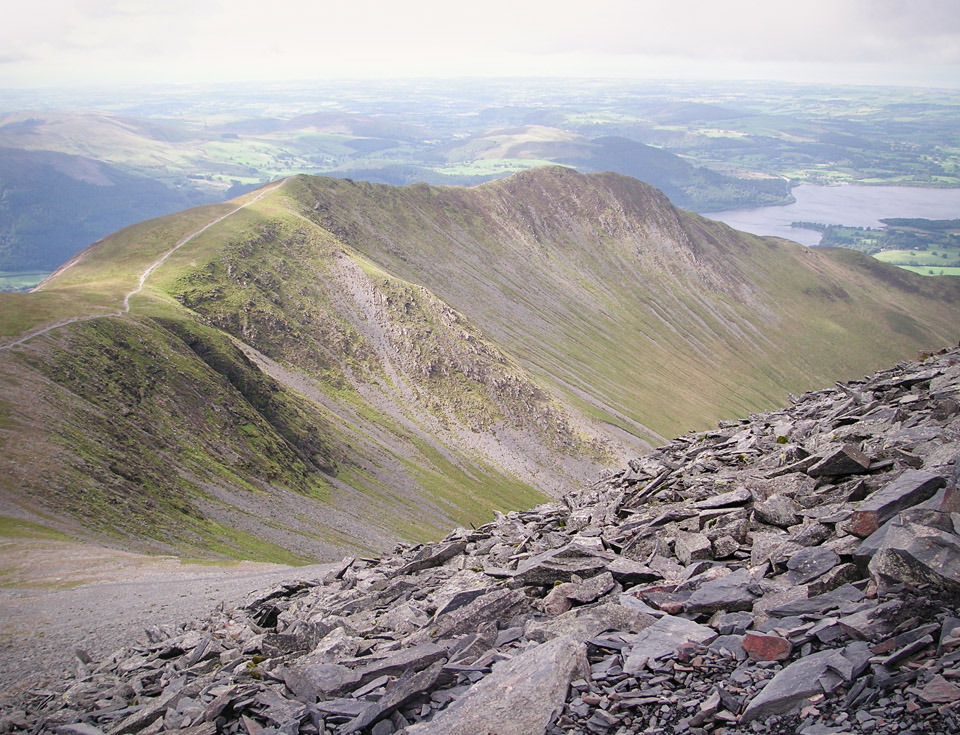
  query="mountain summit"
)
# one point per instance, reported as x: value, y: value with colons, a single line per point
x: 331, y: 364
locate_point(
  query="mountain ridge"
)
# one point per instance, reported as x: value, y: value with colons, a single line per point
x: 393, y: 360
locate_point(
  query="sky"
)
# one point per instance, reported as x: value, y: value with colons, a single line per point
x: 70, y: 43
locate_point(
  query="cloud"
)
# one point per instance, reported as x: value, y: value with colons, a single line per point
x: 195, y: 40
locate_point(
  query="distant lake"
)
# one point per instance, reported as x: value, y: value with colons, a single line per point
x: 857, y: 206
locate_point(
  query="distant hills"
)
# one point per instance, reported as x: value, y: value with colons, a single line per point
x: 341, y: 364
x: 687, y: 186
x: 52, y: 205
x: 67, y: 178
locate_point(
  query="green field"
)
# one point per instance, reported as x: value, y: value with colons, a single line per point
x: 925, y: 271
x: 21, y: 280
x: 944, y: 257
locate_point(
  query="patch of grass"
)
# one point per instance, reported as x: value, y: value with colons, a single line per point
x: 932, y: 270
x: 201, y: 562
x: 18, y: 528
x: 470, y: 495
x: 21, y: 280
x: 490, y: 166
x: 237, y: 544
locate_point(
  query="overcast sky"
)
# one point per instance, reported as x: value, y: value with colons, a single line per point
x: 74, y: 42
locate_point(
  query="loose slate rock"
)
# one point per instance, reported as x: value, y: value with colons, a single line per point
x: 691, y: 547
x: 778, y: 510
x: 810, y: 563
x: 821, y: 603
x: 559, y: 565
x: 789, y: 688
x: 911, y: 488
x: 662, y: 638
x: 919, y: 553
x: 873, y: 639
x: 407, y: 687
x: 734, y: 592
x: 847, y: 460
x: 522, y: 696
x: 760, y: 647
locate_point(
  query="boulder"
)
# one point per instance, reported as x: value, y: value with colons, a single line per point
x: 522, y: 696
x: 789, y: 688
x: 691, y: 547
x: 807, y: 677
x: 559, y: 565
x: 663, y: 638
x: 763, y: 647
x: 819, y: 604
x: 848, y: 460
x: 909, y: 489
x: 432, y: 556
x: 810, y: 563
x: 584, y: 623
x: 408, y: 686
x: 493, y: 605
x: 778, y: 510
x: 735, y: 591
x: 919, y: 553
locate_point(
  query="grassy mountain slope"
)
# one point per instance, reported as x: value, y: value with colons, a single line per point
x: 353, y: 409
x: 643, y: 314
x: 341, y: 364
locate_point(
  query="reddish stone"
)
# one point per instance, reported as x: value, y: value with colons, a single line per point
x: 883, y: 647
x: 951, y: 501
x: 909, y: 489
x: 673, y: 607
x: 761, y: 647
x: 940, y: 690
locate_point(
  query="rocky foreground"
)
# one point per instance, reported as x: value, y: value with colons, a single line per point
x: 796, y: 572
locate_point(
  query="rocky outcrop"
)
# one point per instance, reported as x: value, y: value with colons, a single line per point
x: 794, y: 572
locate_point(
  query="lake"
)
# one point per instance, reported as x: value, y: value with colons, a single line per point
x: 858, y: 206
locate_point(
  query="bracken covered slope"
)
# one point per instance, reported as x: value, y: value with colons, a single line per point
x: 339, y: 365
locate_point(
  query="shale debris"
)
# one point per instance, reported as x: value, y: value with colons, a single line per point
x: 794, y: 572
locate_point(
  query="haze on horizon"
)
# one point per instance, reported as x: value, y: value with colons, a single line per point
x: 71, y: 43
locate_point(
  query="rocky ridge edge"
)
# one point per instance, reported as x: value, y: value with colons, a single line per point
x: 797, y: 571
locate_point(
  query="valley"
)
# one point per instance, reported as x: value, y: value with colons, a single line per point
x: 332, y: 365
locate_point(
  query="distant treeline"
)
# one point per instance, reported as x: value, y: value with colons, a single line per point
x: 923, y: 224
x: 899, y: 234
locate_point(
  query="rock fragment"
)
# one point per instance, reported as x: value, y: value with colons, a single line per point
x: 909, y: 489
x: 522, y: 696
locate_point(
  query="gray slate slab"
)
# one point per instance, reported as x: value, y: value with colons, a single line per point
x: 911, y: 488
x: 433, y: 556
x: 820, y: 603
x: 918, y: 553
x: 406, y: 688
x: 494, y: 605
x: 810, y: 563
x: 558, y: 565
x: 789, y: 688
x: 847, y: 460
x: 662, y: 638
x: 522, y: 696
x: 731, y: 593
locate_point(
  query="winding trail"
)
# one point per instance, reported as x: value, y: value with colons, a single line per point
x: 125, y: 309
